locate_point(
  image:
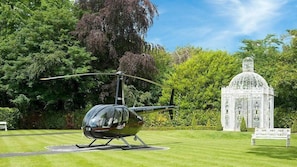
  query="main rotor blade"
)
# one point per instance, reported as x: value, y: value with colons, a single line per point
x: 143, y: 79
x: 75, y: 75
x: 89, y: 74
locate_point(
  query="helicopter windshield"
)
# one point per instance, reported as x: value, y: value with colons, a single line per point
x: 100, y: 115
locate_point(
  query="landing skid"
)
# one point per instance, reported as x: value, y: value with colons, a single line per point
x: 126, y: 147
x: 91, y: 144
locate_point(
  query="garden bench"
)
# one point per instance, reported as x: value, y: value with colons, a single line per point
x: 272, y: 133
x: 3, y: 125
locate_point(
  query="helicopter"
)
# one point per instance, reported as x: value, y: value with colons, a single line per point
x: 117, y: 121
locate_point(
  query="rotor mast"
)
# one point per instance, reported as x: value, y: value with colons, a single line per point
x: 119, y: 99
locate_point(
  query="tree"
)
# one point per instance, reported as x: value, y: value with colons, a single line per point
x: 13, y: 15
x: 198, y: 80
x: 43, y: 47
x: 110, y: 28
x: 265, y: 53
x: 285, y: 79
x: 181, y: 55
x: 138, y: 64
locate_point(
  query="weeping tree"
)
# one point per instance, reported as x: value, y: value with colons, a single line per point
x: 113, y: 31
x: 109, y: 28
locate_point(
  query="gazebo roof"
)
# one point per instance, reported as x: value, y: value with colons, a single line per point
x: 248, y: 79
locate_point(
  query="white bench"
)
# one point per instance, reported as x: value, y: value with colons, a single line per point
x: 273, y: 133
x: 3, y: 125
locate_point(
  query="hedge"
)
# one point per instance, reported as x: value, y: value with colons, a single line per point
x: 11, y: 116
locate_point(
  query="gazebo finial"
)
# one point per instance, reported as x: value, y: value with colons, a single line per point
x: 248, y: 64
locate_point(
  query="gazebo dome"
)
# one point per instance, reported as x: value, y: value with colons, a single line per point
x: 248, y: 80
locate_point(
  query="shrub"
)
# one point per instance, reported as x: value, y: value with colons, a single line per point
x: 284, y: 118
x: 53, y: 120
x: 11, y: 116
x: 294, y: 126
x: 219, y: 126
x: 208, y: 124
x: 243, y: 125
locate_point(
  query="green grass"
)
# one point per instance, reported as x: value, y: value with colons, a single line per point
x: 187, y: 148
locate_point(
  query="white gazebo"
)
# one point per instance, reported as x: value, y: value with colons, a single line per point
x: 248, y: 96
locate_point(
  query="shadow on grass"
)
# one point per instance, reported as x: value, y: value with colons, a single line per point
x: 73, y: 148
x: 280, y: 152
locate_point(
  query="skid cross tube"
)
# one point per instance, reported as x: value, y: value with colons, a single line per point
x: 90, y: 145
x: 129, y: 146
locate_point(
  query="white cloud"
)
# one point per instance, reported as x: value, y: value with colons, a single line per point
x: 249, y: 16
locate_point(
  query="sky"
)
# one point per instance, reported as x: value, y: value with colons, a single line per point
x: 219, y: 24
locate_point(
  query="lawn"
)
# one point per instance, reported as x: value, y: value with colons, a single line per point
x: 186, y: 148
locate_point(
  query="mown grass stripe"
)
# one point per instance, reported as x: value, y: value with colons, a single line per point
x: 187, y: 148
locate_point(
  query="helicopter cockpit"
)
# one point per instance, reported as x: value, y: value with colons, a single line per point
x: 106, y: 116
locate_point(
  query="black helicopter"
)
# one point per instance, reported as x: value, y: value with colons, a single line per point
x: 116, y: 121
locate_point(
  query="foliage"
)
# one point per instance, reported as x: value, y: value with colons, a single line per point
x: 11, y: 116
x: 285, y: 79
x: 42, y: 47
x: 111, y: 27
x: 182, y: 54
x: 284, y: 118
x: 21, y: 102
x: 294, y: 126
x: 219, y: 126
x: 208, y: 123
x: 265, y: 53
x: 53, y: 119
x: 157, y: 120
x: 138, y: 65
x: 243, y: 125
x: 198, y: 81
x: 13, y: 15
x: 182, y: 118
x: 134, y: 97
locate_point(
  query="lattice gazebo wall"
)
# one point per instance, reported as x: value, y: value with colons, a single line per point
x: 248, y: 96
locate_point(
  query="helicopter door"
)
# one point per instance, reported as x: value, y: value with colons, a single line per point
x: 120, y: 118
x: 107, y: 117
x: 117, y: 116
x: 125, y: 116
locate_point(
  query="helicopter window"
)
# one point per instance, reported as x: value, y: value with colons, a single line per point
x: 121, y: 115
x: 99, y: 115
x: 106, y: 117
x: 125, y: 115
x: 118, y: 116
